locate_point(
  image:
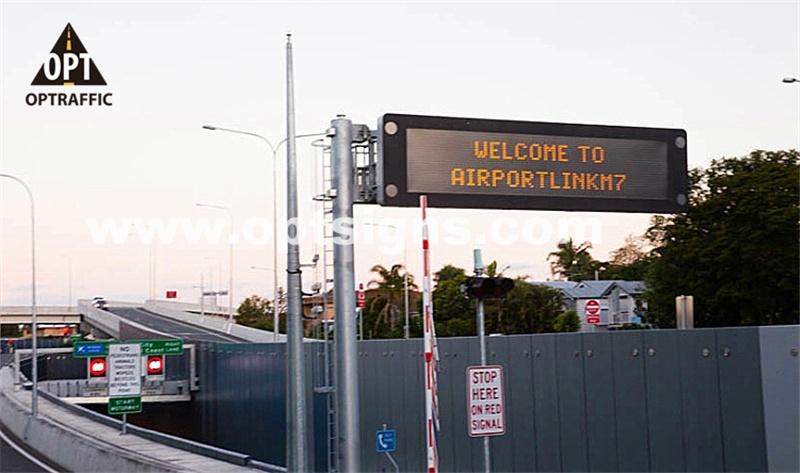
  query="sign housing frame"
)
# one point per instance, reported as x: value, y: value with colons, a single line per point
x: 392, y: 165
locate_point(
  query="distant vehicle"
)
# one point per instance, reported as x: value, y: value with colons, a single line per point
x: 99, y: 302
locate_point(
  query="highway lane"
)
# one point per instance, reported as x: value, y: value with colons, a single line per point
x: 15, y: 459
x: 178, y: 329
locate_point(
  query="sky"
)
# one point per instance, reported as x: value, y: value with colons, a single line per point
x: 713, y: 69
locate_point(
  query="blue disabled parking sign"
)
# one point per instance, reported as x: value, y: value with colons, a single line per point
x: 385, y: 441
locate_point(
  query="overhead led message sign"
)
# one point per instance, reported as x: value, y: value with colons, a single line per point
x: 471, y: 163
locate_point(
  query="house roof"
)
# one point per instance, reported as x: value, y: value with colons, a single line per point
x: 593, y: 289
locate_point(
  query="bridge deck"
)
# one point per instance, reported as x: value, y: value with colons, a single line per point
x: 173, y: 327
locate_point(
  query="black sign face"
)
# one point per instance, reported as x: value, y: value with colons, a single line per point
x: 472, y: 163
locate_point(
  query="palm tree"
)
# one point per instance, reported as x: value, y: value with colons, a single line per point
x: 572, y: 262
x: 389, y: 291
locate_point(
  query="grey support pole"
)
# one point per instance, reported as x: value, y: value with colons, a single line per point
x: 479, y: 316
x: 347, y: 415
x: 34, y: 315
x: 296, y: 399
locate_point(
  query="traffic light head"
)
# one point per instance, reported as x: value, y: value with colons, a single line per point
x: 97, y: 367
x: 155, y: 365
x: 487, y: 288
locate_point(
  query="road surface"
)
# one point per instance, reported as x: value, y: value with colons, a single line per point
x: 187, y: 332
x: 14, y: 460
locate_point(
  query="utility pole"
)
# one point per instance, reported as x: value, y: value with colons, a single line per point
x: 479, y: 316
x: 296, y: 399
x: 347, y: 398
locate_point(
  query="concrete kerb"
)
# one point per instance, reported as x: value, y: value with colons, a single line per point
x: 64, y: 446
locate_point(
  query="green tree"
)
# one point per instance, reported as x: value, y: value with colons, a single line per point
x: 454, y: 314
x: 572, y: 262
x: 527, y: 308
x: 630, y: 262
x: 387, y: 301
x: 735, y: 249
x: 567, y: 322
x: 255, y: 312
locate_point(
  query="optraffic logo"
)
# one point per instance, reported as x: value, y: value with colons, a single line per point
x: 69, y: 64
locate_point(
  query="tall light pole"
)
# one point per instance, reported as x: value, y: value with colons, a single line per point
x: 407, y: 327
x: 230, y: 254
x: 34, y: 321
x: 274, y: 149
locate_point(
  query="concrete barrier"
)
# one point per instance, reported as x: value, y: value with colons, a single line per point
x: 65, y: 446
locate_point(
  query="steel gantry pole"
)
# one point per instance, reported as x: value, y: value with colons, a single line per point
x: 296, y: 399
x: 34, y: 321
x: 347, y: 415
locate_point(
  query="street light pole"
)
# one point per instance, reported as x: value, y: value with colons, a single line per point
x: 274, y: 149
x: 34, y: 321
x: 296, y: 399
x: 230, y: 254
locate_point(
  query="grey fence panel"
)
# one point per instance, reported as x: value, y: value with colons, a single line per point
x: 655, y: 400
x: 396, y: 381
x: 600, y: 405
x: 571, y: 403
x: 448, y: 438
x: 703, y: 425
x: 548, y: 453
x: 740, y: 400
x: 664, y: 404
x: 372, y: 391
x: 519, y: 389
x: 780, y: 371
x: 410, y: 439
x: 457, y: 430
x: 501, y: 445
x: 631, y: 401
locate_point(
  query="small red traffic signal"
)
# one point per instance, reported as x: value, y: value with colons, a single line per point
x: 155, y: 365
x: 97, y: 367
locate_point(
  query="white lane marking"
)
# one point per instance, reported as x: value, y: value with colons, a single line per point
x: 27, y: 455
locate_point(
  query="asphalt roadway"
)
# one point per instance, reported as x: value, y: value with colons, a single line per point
x: 187, y: 332
x: 13, y: 458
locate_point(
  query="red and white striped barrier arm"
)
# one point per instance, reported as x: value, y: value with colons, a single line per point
x: 431, y: 350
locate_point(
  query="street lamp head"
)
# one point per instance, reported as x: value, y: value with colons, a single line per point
x: 209, y: 127
x: 789, y: 80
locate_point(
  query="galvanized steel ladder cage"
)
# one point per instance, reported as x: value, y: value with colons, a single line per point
x: 364, y: 156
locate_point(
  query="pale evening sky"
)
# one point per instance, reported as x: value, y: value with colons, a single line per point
x: 713, y: 69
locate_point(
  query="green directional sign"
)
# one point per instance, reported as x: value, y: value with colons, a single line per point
x: 161, y: 347
x: 125, y: 405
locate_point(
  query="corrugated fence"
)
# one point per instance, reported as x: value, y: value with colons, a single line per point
x: 660, y: 400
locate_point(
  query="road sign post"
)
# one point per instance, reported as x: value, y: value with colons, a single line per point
x: 124, y: 380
